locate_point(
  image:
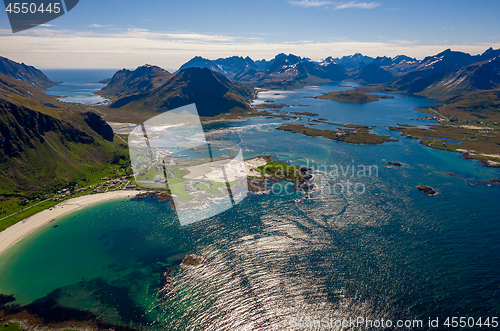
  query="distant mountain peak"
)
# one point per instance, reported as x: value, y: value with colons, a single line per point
x: 329, y: 60
x: 140, y: 80
x: 211, y: 91
x: 401, y: 58
x: 489, y: 53
x: 445, y: 52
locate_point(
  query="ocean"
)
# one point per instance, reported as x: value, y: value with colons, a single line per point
x: 278, y: 261
x: 78, y: 85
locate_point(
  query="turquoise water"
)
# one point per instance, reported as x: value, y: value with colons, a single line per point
x: 447, y: 140
x: 391, y: 252
x: 78, y: 85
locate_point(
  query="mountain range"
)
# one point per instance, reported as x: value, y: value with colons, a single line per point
x: 141, y: 80
x: 45, y: 145
x: 212, y: 92
x: 449, y: 74
x: 45, y: 141
x: 27, y: 74
x: 291, y: 71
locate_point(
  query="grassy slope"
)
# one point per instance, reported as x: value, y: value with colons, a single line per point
x: 482, y: 106
x: 281, y: 170
x: 472, y: 121
x: 43, y: 166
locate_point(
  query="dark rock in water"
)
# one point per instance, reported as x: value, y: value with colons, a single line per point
x: 495, y: 181
x: 100, y: 126
x: 162, y: 196
x: 167, y: 282
x: 5, y: 299
x: 193, y: 260
x: 55, y: 226
x: 257, y: 185
x: 453, y: 175
x: 427, y: 190
x: 47, y: 314
x: 396, y: 164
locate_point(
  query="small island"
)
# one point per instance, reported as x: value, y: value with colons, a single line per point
x: 264, y: 172
x: 427, y: 190
x: 193, y: 260
x: 349, y: 133
x: 305, y: 113
x: 395, y: 164
x: 352, y: 96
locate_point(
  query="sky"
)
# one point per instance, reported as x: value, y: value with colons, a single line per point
x: 126, y: 34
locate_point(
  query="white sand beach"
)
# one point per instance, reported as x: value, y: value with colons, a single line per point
x: 18, y: 231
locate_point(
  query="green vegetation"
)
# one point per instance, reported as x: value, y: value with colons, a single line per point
x: 47, y: 149
x: 479, y: 142
x: 11, y: 327
x: 281, y: 170
x: 352, y: 96
x: 23, y: 205
x: 471, y: 120
x: 25, y: 213
x: 350, y: 134
x: 472, y: 108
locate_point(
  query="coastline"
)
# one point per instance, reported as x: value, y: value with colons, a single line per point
x: 18, y: 231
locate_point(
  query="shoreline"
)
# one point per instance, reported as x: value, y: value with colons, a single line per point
x: 12, y: 235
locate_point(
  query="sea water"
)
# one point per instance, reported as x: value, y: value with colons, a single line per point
x: 390, y: 252
x: 78, y: 85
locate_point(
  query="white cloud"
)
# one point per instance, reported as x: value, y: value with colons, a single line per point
x: 358, y: 5
x: 99, y: 26
x: 336, y: 5
x: 131, y: 48
x: 404, y: 41
x: 310, y: 3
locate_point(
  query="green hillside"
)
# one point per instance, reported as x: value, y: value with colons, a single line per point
x: 47, y: 148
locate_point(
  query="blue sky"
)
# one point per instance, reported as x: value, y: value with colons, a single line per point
x: 125, y: 33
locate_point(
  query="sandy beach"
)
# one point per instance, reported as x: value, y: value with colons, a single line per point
x: 18, y: 231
